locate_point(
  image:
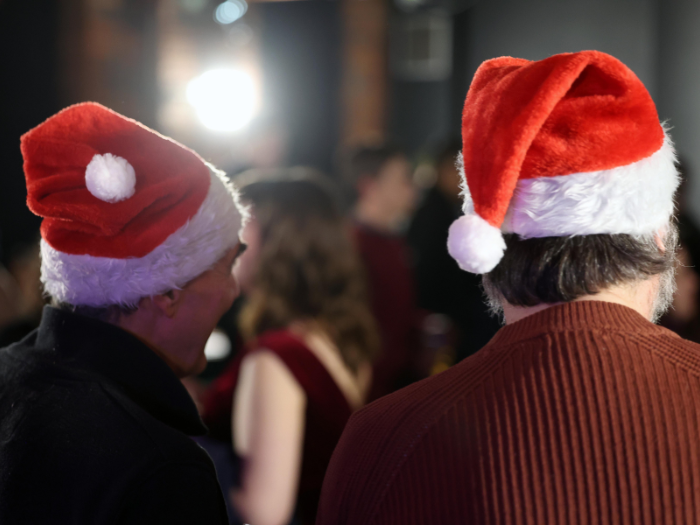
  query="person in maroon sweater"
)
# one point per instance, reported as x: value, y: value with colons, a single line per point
x: 381, y: 179
x: 580, y: 410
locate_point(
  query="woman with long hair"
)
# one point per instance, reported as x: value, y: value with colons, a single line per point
x: 310, y: 340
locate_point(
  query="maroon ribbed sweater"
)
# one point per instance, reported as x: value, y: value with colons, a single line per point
x: 582, y: 413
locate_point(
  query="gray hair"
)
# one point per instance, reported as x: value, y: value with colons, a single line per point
x: 552, y: 270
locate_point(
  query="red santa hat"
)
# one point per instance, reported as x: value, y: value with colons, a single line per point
x: 128, y: 213
x: 569, y: 145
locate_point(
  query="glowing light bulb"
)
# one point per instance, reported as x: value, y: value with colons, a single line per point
x: 224, y: 99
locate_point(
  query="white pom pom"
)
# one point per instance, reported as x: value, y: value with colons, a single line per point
x: 110, y: 178
x: 475, y: 244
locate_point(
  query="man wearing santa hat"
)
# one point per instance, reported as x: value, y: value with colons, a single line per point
x: 139, y: 236
x: 580, y: 410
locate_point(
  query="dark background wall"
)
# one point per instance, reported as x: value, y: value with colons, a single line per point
x: 678, y: 80
x: 301, y: 63
x: 28, y: 94
x: 535, y: 29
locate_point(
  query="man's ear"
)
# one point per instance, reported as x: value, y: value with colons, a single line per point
x: 659, y: 238
x: 168, y: 303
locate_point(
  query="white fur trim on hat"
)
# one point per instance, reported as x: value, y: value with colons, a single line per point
x: 110, y: 178
x: 635, y: 199
x: 187, y: 253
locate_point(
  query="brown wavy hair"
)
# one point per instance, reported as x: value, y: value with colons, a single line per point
x: 308, y: 268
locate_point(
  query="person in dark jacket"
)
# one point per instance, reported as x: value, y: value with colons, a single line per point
x: 138, y: 241
x: 442, y: 286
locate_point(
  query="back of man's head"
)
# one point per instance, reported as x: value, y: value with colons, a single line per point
x: 127, y: 213
x: 552, y: 270
x: 569, y: 181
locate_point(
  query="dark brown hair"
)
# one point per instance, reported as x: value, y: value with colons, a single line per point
x: 561, y: 269
x: 308, y: 268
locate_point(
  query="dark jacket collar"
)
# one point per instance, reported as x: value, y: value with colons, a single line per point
x: 117, y: 355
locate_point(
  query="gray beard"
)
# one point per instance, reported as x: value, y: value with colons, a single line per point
x: 493, y: 299
x: 664, y: 296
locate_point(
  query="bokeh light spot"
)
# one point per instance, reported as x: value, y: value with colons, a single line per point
x: 218, y: 346
x: 230, y: 11
x: 223, y: 98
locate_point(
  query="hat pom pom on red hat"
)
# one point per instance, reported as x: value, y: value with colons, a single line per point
x: 110, y: 178
x: 475, y: 244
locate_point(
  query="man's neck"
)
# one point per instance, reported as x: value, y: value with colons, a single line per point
x: 638, y: 296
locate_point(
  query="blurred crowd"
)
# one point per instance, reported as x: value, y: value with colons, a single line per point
x: 353, y: 270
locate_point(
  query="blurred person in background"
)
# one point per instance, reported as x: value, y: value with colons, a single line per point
x: 10, y: 298
x: 139, y: 236
x: 442, y: 286
x: 684, y: 315
x: 581, y: 409
x: 307, y: 367
x: 380, y: 179
x: 22, y: 282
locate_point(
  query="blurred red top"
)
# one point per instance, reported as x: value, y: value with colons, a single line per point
x: 327, y: 411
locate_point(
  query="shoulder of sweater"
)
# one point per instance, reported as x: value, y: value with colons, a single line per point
x: 671, y: 347
x: 377, y: 440
x: 403, y: 417
x: 660, y: 342
x: 418, y: 402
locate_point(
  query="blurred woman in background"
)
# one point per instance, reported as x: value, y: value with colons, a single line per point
x: 307, y: 366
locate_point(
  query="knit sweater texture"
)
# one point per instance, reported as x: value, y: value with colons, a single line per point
x: 582, y: 413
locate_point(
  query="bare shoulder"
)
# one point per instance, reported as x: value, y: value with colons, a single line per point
x: 267, y: 370
x: 264, y: 361
x: 267, y: 392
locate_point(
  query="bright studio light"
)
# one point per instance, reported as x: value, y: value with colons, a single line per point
x: 223, y: 98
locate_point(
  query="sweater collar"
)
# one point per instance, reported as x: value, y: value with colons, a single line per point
x: 119, y: 356
x: 580, y: 315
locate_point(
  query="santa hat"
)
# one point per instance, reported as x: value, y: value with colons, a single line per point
x: 128, y: 213
x: 569, y: 145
